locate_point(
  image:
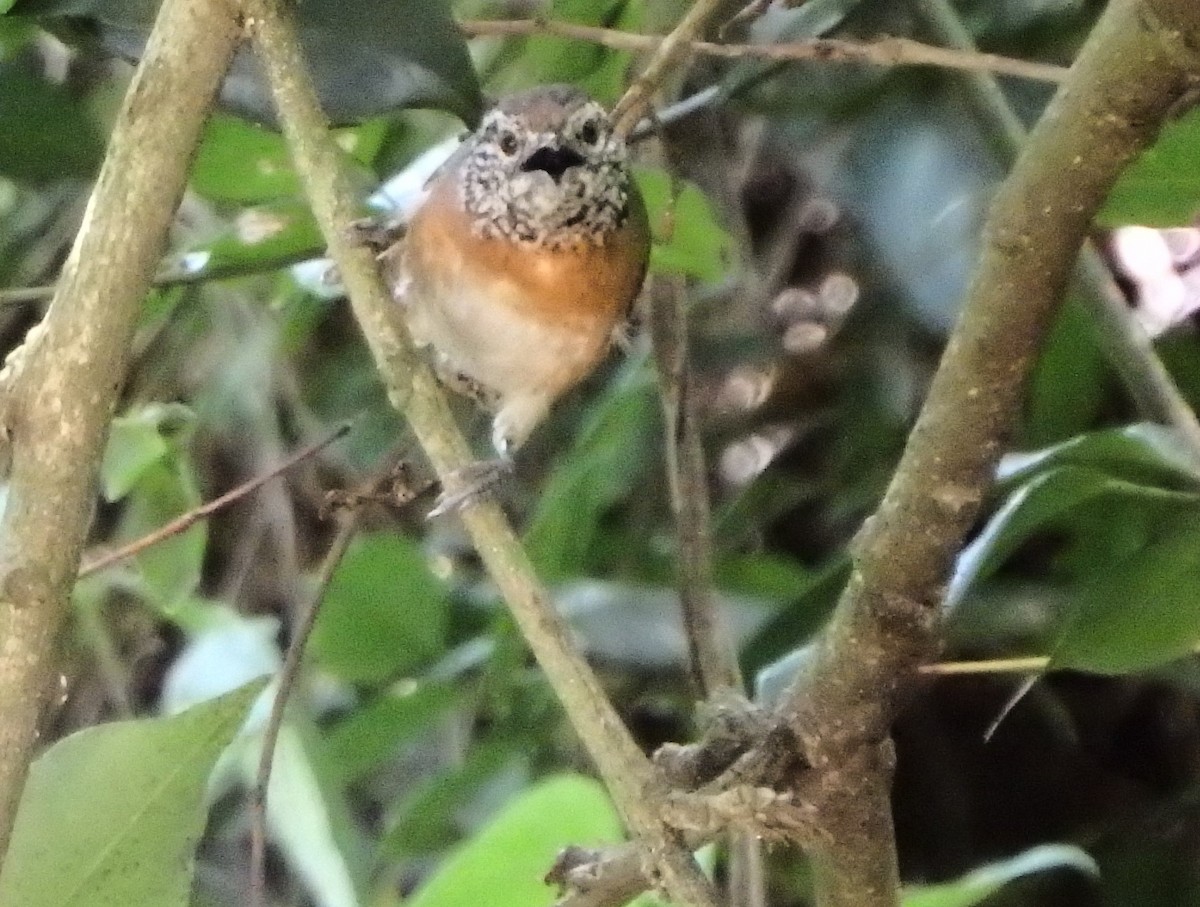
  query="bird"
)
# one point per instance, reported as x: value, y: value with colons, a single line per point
x: 526, y: 256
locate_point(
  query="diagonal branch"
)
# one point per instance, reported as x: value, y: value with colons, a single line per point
x: 1123, y: 341
x: 186, y: 521
x: 412, y: 387
x: 1139, y: 61
x: 636, y: 100
x: 65, y: 390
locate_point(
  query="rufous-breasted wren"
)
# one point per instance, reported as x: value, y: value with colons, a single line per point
x: 526, y: 256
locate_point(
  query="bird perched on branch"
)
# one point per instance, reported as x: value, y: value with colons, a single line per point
x: 525, y: 257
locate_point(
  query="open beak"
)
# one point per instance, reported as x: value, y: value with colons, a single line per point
x: 554, y: 161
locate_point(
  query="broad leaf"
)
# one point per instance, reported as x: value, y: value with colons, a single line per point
x: 1033, y: 506
x: 363, y: 741
x: 1143, y: 613
x: 1145, y: 452
x: 111, y: 815
x: 240, y: 161
x: 138, y: 440
x: 48, y: 133
x: 384, y: 613
x: 503, y: 865
x: 611, y: 450
x: 1070, y: 382
x: 374, y: 58
x: 1162, y: 187
x: 687, y: 237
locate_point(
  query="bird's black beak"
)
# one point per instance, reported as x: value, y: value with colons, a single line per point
x: 555, y: 161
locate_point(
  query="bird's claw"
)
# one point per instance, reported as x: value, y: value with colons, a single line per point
x: 464, y: 487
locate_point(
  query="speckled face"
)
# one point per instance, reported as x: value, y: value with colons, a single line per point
x: 544, y: 168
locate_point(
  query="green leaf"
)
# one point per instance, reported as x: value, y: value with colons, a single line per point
x: 1151, y: 454
x: 812, y: 601
x: 503, y: 865
x: 111, y: 815
x: 308, y: 820
x: 1070, y: 382
x: 169, y: 570
x: 688, y: 239
x: 384, y: 613
x: 546, y: 59
x: 48, y: 135
x: 1142, y: 613
x: 430, y: 819
x: 1162, y: 187
x: 602, y: 468
x: 360, y: 743
x: 147, y: 465
x: 982, y: 883
x: 1038, y: 503
x: 138, y: 440
x: 243, y: 162
x: 263, y: 239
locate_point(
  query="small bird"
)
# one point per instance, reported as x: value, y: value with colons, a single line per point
x: 525, y: 257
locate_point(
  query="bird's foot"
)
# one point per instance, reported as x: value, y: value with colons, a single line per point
x: 375, y: 234
x: 469, y: 484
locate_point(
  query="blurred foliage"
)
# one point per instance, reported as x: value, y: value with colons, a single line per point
x: 423, y: 756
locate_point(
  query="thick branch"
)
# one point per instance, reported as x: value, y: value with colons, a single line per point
x: 65, y: 392
x: 1140, y: 60
x: 1124, y: 342
x: 413, y: 388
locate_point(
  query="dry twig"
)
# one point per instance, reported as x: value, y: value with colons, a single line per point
x: 186, y: 521
x: 636, y: 100
x: 888, y: 51
x: 288, y: 674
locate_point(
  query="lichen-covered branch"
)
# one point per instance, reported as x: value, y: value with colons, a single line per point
x: 1141, y: 59
x: 62, y: 396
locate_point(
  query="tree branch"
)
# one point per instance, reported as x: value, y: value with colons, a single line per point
x: 64, y: 393
x: 412, y: 387
x: 636, y: 100
x: 186, y: 521
x: 288, y: 675
x: 1139, y: 61
x: 1123, y: 341
x: 891, y: 51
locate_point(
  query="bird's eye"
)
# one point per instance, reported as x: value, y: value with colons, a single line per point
x: 589, y: 134
x: 509, y: 143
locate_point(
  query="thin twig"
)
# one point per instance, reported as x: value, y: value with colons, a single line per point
x: 636, y: 100
x: 412, y: 387
x: 886, y: 51
x: 1123, y: 341
x: 1025, y: 665
x: 174, y: 274
x: 347, y: 526
x: 711, y: 647
x: 185, y: 521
